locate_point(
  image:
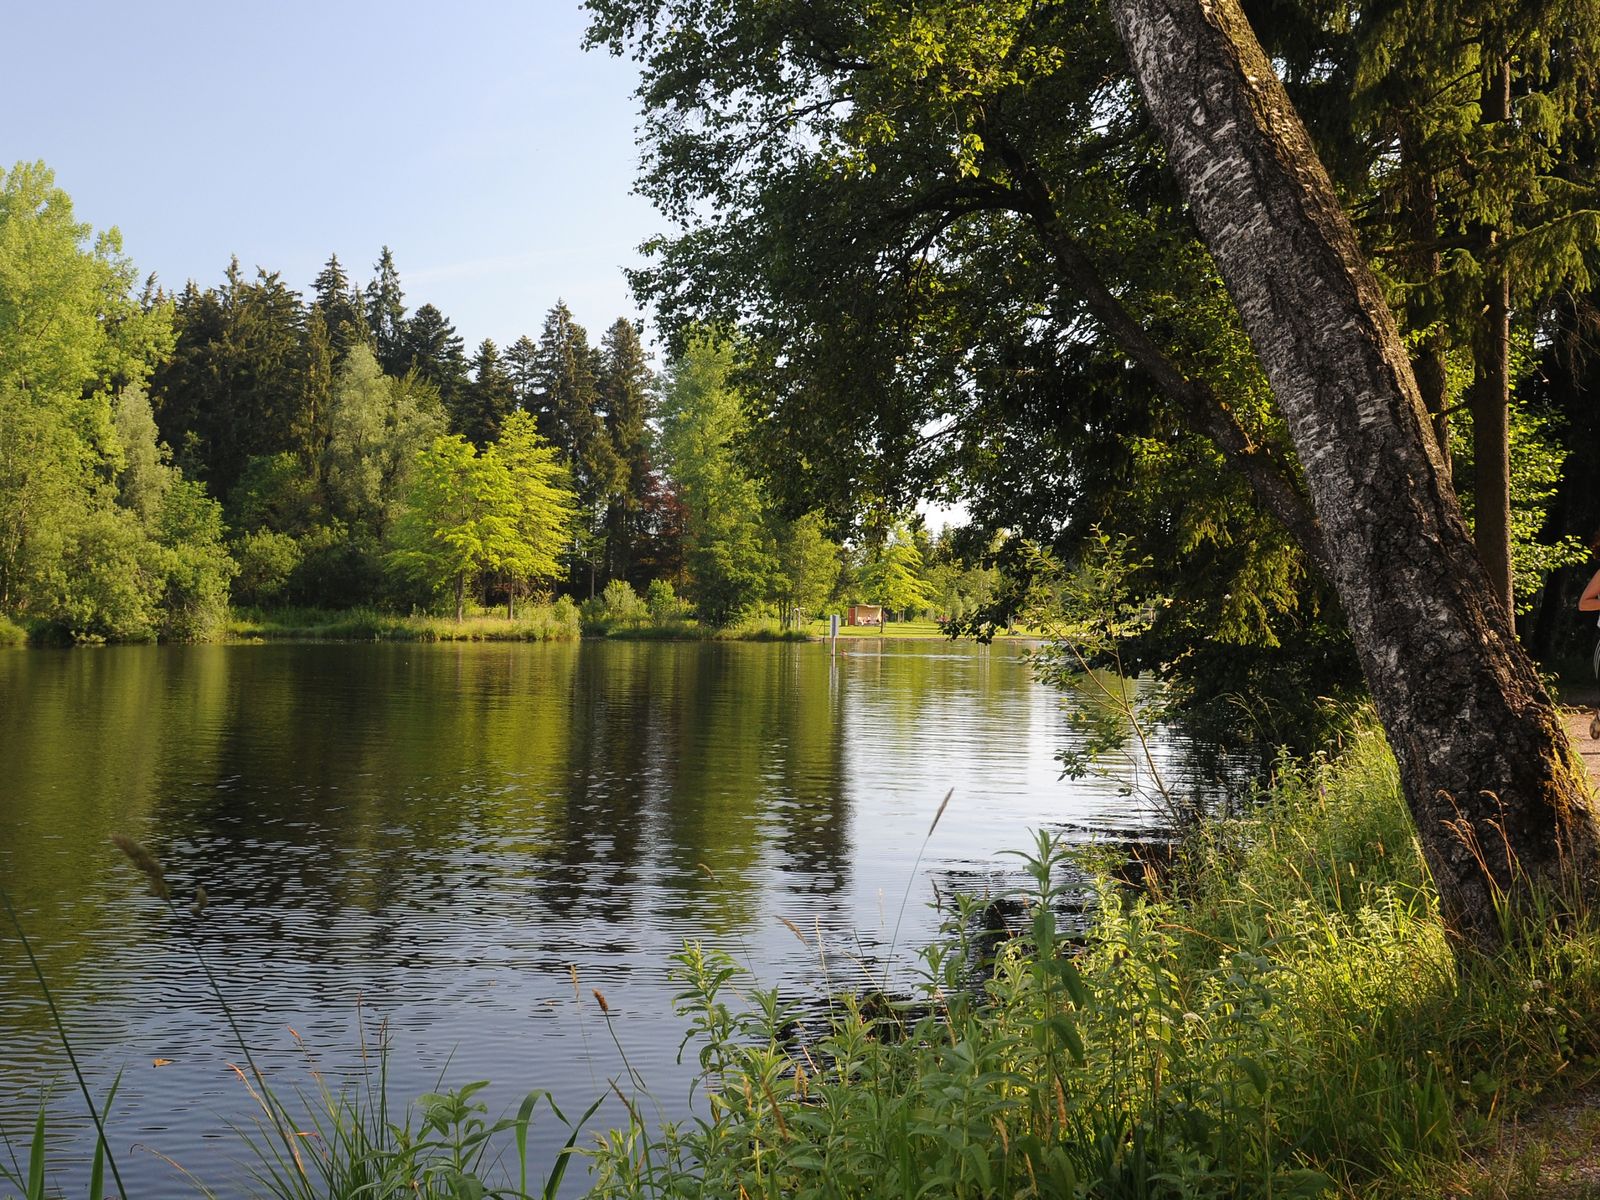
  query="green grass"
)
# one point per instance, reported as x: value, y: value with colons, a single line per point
x: 538, y: 623
x: 12, y: 634
x: 1283, y: 1016
x: 687, y: 629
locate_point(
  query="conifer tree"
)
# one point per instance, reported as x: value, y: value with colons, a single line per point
x: 566, y: 404
x: 312, y: 429
x: 235, y: 385
x: 386, y: 316
x: 484, y: 404
x: 522, y: 364
x: 339, y: 306
x: 626, y: 386
x: 432, y: 347
x: 1477, y: 132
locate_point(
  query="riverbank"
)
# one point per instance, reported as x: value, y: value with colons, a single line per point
x: 540, y: 624
x: 1280, y: 1014
x: 537, y: 623
x: 546, y: 622
x: 1278, y: 1011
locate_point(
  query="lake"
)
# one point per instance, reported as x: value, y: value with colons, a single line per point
x: 432, y: 837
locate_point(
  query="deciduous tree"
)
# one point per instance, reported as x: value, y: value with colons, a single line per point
x: 1500, y: 801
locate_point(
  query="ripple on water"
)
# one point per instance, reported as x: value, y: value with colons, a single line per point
x: 418, y: 843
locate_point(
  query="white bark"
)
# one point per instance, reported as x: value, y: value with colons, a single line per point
x: 1498, y: 797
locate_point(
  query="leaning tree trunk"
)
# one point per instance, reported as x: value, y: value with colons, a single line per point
x: 1500, y: 800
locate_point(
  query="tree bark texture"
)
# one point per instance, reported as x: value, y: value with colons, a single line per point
x: 1499, y: 799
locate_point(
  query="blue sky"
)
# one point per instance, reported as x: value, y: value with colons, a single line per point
x: 478, y: 141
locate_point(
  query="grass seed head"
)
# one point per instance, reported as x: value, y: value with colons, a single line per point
x: 141, y: 858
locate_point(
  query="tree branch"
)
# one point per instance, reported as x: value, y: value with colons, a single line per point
x: 1261, y: 465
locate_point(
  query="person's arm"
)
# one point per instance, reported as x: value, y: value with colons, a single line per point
x: 1590, y: 600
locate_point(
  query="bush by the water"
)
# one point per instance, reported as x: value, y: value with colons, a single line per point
x: 1282, y: 1015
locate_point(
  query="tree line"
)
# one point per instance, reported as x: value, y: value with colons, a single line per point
x: 167, y: 454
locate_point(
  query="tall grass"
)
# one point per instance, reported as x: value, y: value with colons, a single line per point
x: 11, y: 634
x: 538, y: 623
x: 1282, y: 1016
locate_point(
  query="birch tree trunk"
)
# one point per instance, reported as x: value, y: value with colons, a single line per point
x: 1501, y: 802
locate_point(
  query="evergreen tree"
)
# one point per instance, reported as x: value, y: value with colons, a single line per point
x: 484, y: 404
x: 338, y: 303
x: 625, y: 388
x: 311, y: 432
x: 386, y: 316
x: 432, y: 347
x: 566, y: 404
x: 1478, y: 138
x: 235, y: 386
x: 522, y: 364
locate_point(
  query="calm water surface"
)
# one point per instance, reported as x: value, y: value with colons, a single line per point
x: 431, y: 836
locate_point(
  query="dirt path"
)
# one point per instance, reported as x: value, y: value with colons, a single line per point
x: 1554, y: 1151
x: 1580, y: 726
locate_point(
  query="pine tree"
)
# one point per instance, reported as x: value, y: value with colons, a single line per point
x: 339, y: 305
x: 432, y: 347
x: 386, y: 316
x: 626, y: 387
x: 485, y: 403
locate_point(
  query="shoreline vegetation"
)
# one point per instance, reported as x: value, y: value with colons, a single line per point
x: 1275, y: 1009
x: 534, y: 623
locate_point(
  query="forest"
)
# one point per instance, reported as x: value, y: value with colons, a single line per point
x: 169, y: 454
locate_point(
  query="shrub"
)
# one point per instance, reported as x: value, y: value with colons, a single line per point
x: 1284, y: 1016
x: 565, y: 614
x: 663, y: 602
x: 621, y: 604
x: 266, y: 560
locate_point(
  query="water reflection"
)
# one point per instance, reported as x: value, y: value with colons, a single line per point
x: 437, y: 832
